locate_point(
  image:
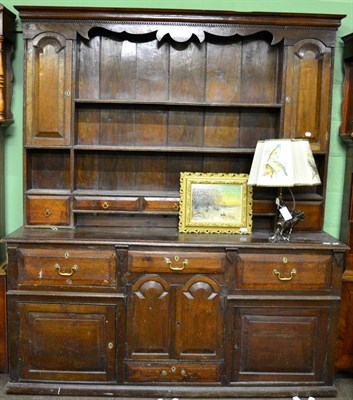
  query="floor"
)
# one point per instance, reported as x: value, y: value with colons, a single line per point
x: 344, y: 384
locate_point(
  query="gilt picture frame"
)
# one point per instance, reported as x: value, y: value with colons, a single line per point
x: 215, y: 203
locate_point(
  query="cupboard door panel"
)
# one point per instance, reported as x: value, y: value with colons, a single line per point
x: 280, y: 344
x: 49, y: 90
x: 83, y: 337
x: 199, y: 319
x: 307, y: 105
x: 149, y: 313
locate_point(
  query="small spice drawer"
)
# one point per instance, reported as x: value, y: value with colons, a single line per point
x: 106, y: 203
x: 177, y: 372
x: 68, y: 267
x: 283, y: 271
x: 176, y: 261
x: 48, y: 210
x: 161, y: 204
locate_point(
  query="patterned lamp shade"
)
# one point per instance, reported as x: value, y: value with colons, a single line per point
x: 283, y: 163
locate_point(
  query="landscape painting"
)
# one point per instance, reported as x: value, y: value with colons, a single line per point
x: 215, y: 203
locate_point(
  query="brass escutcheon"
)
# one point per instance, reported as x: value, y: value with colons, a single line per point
x: 47, y: 213
x: 105, y: 205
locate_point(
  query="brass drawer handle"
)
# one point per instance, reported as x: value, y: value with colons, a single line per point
x: 105, y: 205
x: 169, y: 263
x: 280, y: 278
x: 176, y: 206
x: 58, y: 268
x: 47, y: 213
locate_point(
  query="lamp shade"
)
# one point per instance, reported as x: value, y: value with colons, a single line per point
x: 283, y: 163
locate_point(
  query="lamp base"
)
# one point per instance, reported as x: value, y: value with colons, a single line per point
x: 284, y: 227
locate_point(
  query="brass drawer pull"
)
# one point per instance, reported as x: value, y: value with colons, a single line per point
x: 105, y: 205
x: 176, y: 267
x: 47, y: 213
x: 278, y: 274
x: 58, y: 268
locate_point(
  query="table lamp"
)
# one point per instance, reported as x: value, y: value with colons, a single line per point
x: 284, y: 163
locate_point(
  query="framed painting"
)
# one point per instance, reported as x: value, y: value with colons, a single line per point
x: 215, y: 203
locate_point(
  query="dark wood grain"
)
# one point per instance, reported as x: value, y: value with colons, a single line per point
x: 105, y: 297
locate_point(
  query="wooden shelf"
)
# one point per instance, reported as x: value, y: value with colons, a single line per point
x: 165, y: 149
x: 145, y: 103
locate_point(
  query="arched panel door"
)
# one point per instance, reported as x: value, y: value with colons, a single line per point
x: 48, y: 86
x: 308, y: 99
x: 149, y: 318
x: 199, y: 319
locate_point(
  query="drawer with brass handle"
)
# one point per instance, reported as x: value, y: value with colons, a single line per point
x: 176, y: 261
x: 176, y: 372
x: 87, y: 203
x: 69, y: 267
x: 48, y: 210
x: 162, y: 204
x: 284, y: 271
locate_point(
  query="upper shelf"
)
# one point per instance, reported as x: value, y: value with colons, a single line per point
x: 176, y: 104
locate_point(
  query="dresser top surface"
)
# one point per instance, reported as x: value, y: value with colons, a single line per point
x: 119, y: 236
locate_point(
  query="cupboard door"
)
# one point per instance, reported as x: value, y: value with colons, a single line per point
x: 48, y: 86
x: 280, y: 344
x: 150, y: 317
x: 199, y: 319
x: 307, y: 99
x: 67, y: 342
